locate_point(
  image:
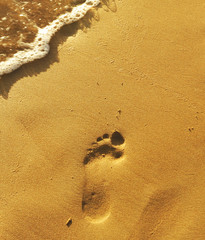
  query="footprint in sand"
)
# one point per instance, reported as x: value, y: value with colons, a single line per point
x: 98, y: 164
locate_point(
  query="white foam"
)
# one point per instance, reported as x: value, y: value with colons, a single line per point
x: 40, y: 47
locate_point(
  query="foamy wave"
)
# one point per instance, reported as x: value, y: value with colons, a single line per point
x: 40, y: 46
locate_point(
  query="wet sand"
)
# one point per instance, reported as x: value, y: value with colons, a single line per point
x: 104, y: 138
x: 26, y: 28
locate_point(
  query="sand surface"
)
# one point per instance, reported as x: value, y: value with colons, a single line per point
x: 104, y: 138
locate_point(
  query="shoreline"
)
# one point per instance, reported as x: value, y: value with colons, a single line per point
x: 40, y: 47
x: 104, y: 137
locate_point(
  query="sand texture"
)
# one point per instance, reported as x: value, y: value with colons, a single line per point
x: 103, y: 139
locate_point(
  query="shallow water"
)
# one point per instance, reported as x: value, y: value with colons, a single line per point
x: 26, y: 27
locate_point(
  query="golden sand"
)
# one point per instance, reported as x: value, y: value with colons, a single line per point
x: 104, y: 138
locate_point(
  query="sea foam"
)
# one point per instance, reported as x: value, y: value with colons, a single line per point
x: 40, y: 46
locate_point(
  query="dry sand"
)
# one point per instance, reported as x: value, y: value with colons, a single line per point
x: 136, y: 74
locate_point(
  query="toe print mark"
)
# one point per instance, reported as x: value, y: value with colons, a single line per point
x: 117, y: 139
x: 105, y: 146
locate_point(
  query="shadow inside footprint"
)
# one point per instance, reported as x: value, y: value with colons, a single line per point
x: 108, y: 147
x: 95, y: 199
x: 96, y: 152
x: 95, y: 203
x: 117, y: 138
